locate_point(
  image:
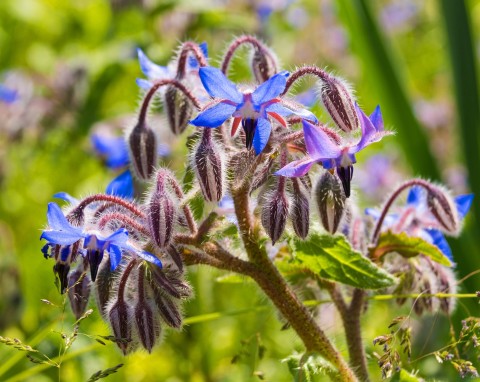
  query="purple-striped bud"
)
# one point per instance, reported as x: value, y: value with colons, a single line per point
x: 142, y: 143
x: 147, y: 325
x: 167, y: 309
x: 330, y: 200
x: 209, y: 167
x: 340, y: 103
x: 172, y: 251
x: 275, y: 212
x: 78, y: 292
x: 162, y: 281
x: 261, y: 174
x: 300, y: 211
x: 178, y: 108
x: 162, y: 217
x: 443, y: 208
x: 263, y: 65
x: 120, y: 315
x: 103, y: 286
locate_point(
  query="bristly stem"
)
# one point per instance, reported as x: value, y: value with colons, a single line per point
x: 303, y: 71
x: 123, y: 281
x: 127, y: 222
x: 189, y: 47
x: 239, y: 42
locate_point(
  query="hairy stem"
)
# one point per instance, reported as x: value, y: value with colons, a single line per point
x: 303, y: 71
x: 189, y: 47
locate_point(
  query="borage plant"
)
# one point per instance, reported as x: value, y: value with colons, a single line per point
x: 278, y: 169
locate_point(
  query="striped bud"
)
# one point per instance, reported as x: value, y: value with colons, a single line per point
x: 162, y: 281
x: 162, y: 217
x: 274, y: 213
x: 172, y: 251
x: 78, y: 292
x: 103, y: 286
x: 143, y: 150
x: 119, y: 316
x: 263, y: 65
x: 330, y: 200
x: 261, y: 174
x: 148, y: 328
x: 167, y: 309
x: 340, y: 103
x: 300, y: 211
x: 443, y: 208
x: 178, y: 109
x: 209, y: 167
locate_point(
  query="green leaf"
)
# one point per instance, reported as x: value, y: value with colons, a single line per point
x: 407, y: 246
x: 332, y: 258
x: 405, y: 376
x: 304, y: 367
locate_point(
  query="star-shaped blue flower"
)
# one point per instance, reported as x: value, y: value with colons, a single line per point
x: 252, y: 109
x: 62, y: 233
x: 341, y: 156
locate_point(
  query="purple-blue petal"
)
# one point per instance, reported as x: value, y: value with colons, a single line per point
x: 214, y: 116
x: 296, y: 168
x: 114, y: 149
x: 286, y: 111
x: 415, y: 196
x: 439, y: 240
x: 7, y: 95
x: 319, y: 145
x: 151, y: 70
x: 219, y: 86
x: 270, y: 89
x: 192, y: 61
x: 122, y: 186
x: 150, y: 258
x: 61, y: 237
x: 143, y: 84
x: 377, y: 119
x: 66, y: 197
x: 119, y: 237
x: 463, y: 203
x: 307, y: 98
x: 115, y: 253
x: 57, y: 220
x: 262, y: 135
x: 368, y: 131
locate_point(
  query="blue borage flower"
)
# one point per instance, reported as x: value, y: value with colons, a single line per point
x: 252, y: 109
x: 62, y: 233
x: 116, y: 154
x: 416, y: 220
x: 7, y: 95
x: 335, y: 155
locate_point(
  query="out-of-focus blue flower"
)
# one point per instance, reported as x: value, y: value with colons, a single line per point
x: 416, y: 219
x: 252, y: 109
x: 7, y: 95
x: 322, y: 149
x: 61, y: 232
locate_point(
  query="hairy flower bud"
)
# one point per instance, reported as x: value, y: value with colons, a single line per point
x: 443, y: 208
x: 167, y: 309
x: 263, y: 65
x: 147, y: 325
x: 162, y: 281
x: 178, y: 109
x: 119, y: 316
x: 274, y: 213
x: 331, y: 201
x: 172, y: 251
x: 143, y: 150
x: 162, y: 217
x: 209, y: 167
x: 340, y: 103
x: 78, y: 292
x: 103, y: 286
x: 300, y: 211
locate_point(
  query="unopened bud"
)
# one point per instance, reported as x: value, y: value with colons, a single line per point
x: 162, y: 281
x: 61, y: 270
x: 78, y: 292
x: 178, y: 109
x: 274, y: 213
x: 209, y: 167
x: 331, y: 201
x: 261, y: 174
x: 103, y: 286
x: 340, y: 103
x: 168, y: 310
x: 147, y: 326
x: 143, y: 150
x: 172, y: 251
x: 120, y: 318
x: 443, y: 208
x: 300, y: 211
x: 162, y: 217
x: 263, y: 65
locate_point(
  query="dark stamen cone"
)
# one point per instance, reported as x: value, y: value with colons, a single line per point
x: 143, y: 150
x: 61, y: 270
x: 345, y: 174
x: 249, y: 125
x: 340, y: 103
x: 162, y: 217
x: 78, y: 292
x: 178, y: 109
x: 94, y: 258
x: 209, y: 167
x: 274, y: 214
x: 300, y: 211
x: 330, y: 200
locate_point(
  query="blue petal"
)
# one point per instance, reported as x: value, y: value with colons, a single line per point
x: 57, y: 220
x: 285, y: 111
x: 377, y: 119
x: 65, y: 251
x: 119, y: 237
x: 319, y: 145
x: 262, y: 134
x: 307, y: 98
x: 439, y: 240
x: 214, y: 116
x: 219, y: 86
x: 121, y: 186
x: 415, y: 196
x: 65, y: 196
x: 463, y: 203
x: 192, y: 61
x: 151, y: 70
x: 270, y: 89
x: 61, y: 237
x: 115, y: 256
x: 296, y: 168
x: 143, y: 84
x: 150, y: 258
x: 7, y: 95
x: 368, y: 131
x: 113, y: 148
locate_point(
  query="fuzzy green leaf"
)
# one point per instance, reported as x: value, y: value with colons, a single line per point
x: 407, y: 246
x: 332, y: 258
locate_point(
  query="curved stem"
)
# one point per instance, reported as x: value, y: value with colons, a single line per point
x: 303, y: 71
x: 189, y: 47
x: 127, y: 221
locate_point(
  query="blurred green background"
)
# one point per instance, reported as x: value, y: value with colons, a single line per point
x: 74, y: 66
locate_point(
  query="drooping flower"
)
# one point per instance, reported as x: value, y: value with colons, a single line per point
x: 252, y: 109
x: 416, y: 219
x: 333, y: 155
x: 61, y: 232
